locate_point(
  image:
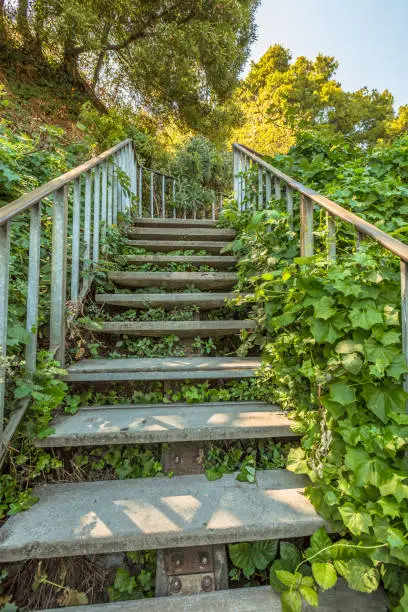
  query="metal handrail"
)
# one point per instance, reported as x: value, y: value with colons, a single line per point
x: 363, y: 227
x: 268, y: 175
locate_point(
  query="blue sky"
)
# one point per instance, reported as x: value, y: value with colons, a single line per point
x: 369, y: 38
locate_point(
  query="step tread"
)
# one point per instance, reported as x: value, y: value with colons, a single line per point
x: 340, y: 598
x: 163, y: 423
x: 206, y: 280
x: 205, y: 300
x: 167, y: 222
x: 211, y: 246
x: 198, y: 260
x: 189, y: 233
x: 152, y: 513
x: 157, y: 368
x: 180, y: 328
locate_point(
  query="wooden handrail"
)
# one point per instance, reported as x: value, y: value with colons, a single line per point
x: 363, y: 227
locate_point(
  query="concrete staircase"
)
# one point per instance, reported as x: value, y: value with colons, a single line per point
x: 186, y: 510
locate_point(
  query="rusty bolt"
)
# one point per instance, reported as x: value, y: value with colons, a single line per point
x: 178, y: 561
x: 175, y: 585
x: 206, y: 583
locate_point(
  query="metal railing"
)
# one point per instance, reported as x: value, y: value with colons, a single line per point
x: 271, y: 180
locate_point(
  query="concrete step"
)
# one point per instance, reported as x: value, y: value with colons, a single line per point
x: 160, y: 222
x: 160, y: 423
x: 182, y: 329
x: 153, y: 513
x: 168, y: 368
x: 165, y: 246
x: 220, y: 261
x: 180, y: 233
x: 253, y: 599
x: 174, y: 280
x: 204, y: 300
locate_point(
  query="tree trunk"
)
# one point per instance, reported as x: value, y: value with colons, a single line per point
x: 3, y: 30
x: 23, y: 25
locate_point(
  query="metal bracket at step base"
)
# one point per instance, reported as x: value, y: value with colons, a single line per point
x: 195, y: 569
x: 192, y: 570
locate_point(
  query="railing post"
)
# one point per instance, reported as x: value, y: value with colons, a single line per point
x: 97, y: 204
x: 33, y: 286
x: 76, y: 223
x: 277, y: 188
x: 104, y: 198
x: 58, y: 274
x: 140, y: 191
x: 110, y: 193
x: 404, y: 314
x: 151, y: 194
x: 174, y: 198
x: 163, y: 196
x: 236, y: 172
x: 306, y: 226
x: 87, y: 220
x: 289, y: 205
x: 268, y: 187
x: 331, y: 236
x: 115, y: 195
x: 359, y: 240
x: 4, y: 285
x: 260, y: 187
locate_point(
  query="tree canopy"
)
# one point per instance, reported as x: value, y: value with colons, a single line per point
x: 279, y: 97
x: 166, y: 56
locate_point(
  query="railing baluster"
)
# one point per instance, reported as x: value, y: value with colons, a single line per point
x: 151, y: 194
x: 260, y: 187
x: 404, y: 314
x: 174, y: 198
x: 306, y: 226
x: 268, y: 187
x: 76, y: 223
x: 289, y: 205
x: 58, y: 274
x: 115, y: 197
x: 331, y: 236
x: 140, y: 192
x: 4, y: 285
x: 359, y: 240
x: 33, y: 286
x: 110, y: 194
x: 104, y: 198
x: 87, y: 220
x: 163, y: 196
x: 277, y: 186
x: 236, y: 173
x: 97, y: 204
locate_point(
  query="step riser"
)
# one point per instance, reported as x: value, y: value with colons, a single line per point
x: 157, y: 233
x: 174, y: 280
x: 182, y: 329
x: 150, y: 376
x: 205, y: 301
x: 178, y: 245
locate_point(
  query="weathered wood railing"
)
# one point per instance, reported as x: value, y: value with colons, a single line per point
x: 285, y: 186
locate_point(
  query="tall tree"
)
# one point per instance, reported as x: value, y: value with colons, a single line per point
x: 279, y: 98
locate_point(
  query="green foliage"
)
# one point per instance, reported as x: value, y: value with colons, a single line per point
x: 332, y: 355
x: 252, y: 556
x: 136, y: 581
x: 279, y: 98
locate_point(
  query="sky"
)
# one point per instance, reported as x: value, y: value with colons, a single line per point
x: 369, y: 38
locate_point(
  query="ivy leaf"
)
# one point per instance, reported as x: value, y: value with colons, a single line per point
x: 323, y: 308
x: 319, y: 541
x: 290, y: 555
x: 213, y: 474
x: 376, y: 352
x: 341, y: 393
x: 326, y: 331
x: 310, y: 595
x: 357, y: 522
x: 324, y: 574
x: 287, y: 578
x: 297, y: 461
x: 348, y: 346
x: 397, y: 367
x: 362, y: 576
x: 365, y: 317
x: 291, y: 601
x: 382, y: 400
x: 251, y: 556
x: 367, y: 469
x: 124, y: 582
x: 352, y: 363
x: 396, y: 538
x: 394, y: 486
x: 391, y: 315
